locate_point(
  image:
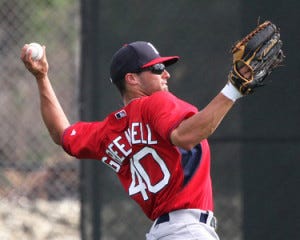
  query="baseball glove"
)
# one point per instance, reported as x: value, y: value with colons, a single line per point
x: 260, y: 51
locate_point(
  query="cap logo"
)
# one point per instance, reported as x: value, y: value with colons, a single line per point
x: 154, y: 49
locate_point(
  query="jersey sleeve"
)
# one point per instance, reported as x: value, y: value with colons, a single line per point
x: 81, y: 139
x: 165, y: 112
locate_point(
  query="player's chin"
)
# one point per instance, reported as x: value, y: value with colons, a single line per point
x: 165, y: 88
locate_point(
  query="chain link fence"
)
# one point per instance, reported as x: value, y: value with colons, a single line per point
x: 38, y: 181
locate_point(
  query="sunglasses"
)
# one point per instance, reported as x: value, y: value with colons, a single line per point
x: 157, y: 69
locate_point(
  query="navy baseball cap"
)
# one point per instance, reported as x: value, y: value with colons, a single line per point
x: 135, y: 56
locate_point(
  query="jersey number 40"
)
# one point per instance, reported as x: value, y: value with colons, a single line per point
x: 141, y: 181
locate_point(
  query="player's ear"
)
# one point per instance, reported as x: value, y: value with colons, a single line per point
x: 131, y: 78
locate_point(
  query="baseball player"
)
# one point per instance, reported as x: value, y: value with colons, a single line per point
x: 156, y: 144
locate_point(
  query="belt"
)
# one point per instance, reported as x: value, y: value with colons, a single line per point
x: 203, y: 218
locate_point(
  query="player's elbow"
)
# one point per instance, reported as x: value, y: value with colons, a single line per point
x: 182, y: 141
x: 56, y: 136
x: 189, y: 140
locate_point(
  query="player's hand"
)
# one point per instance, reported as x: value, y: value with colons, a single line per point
x: 39, y: 68
x: 246, y: 72
x: 260, y: 51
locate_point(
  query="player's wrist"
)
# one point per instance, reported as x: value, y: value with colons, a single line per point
x: 231, y: 92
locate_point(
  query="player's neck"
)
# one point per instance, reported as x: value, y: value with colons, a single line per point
x: 132, y: 95
x: 126, y: 101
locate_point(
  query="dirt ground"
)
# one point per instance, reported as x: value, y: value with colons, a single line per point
x: 39, y: 220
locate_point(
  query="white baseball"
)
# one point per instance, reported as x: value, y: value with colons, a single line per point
x: 36, y: 51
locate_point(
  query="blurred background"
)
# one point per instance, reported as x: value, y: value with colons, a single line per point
x: 47, y: 195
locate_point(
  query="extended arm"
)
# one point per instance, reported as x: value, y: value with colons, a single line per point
x: 254, y: 58
x: 51, y: 110
x: 201, y: 125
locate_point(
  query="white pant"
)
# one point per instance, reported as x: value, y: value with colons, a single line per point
x: 183, y: 225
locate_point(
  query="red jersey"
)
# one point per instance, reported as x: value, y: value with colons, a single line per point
x: 135, y: 143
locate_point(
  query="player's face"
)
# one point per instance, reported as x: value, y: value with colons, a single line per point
x: 151, y: 82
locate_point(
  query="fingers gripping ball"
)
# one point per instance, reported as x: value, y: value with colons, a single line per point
x: 36, y: 51
x: 260, y: 51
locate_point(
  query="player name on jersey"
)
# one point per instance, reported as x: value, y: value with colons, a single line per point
x: 121, y: 146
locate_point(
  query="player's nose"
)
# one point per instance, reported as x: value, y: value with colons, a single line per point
x: 166, y: 74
